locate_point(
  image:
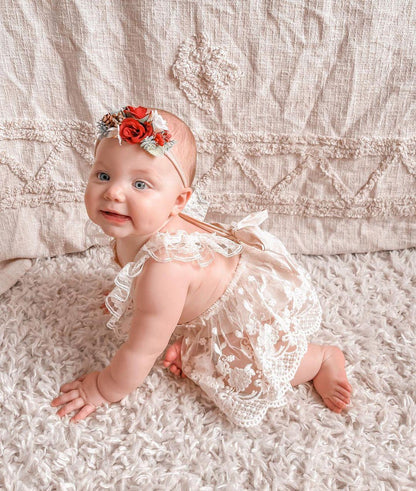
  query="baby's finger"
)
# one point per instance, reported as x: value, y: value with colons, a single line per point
x: 64, y: 398
x: 75, y: 404
x: 70, y: 386
x: 83, y: 413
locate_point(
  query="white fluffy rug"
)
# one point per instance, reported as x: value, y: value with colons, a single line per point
x: 167, y: 434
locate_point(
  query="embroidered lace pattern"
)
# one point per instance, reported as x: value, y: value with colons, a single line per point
x: 244, y: 350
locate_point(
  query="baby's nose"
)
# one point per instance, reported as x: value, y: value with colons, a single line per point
x: 114, y: 192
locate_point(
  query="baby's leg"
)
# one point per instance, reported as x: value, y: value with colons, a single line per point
x: 325, y: 365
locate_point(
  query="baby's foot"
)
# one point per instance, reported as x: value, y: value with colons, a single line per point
x: 173, y: 358
x: 331, y: 380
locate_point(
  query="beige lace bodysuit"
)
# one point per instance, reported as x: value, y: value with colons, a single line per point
x: 244, y: 350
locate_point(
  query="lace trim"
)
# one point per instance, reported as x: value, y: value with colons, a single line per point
x: 166, y: 247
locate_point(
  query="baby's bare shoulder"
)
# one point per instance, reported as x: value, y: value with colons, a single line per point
x: 162, y: 281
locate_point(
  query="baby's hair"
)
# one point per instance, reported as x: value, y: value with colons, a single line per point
x: 185, y: 147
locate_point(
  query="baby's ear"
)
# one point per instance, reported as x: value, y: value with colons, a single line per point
x: 182, y: 199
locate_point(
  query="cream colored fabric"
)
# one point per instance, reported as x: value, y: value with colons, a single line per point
x: 244, y: 350
x: 303, y: 109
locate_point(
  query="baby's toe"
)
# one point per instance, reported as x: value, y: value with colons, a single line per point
x: 170, y: 355
x: 338, y: 402
x: 344, y: 397
x: 343, y: 391
x: 332, y: 405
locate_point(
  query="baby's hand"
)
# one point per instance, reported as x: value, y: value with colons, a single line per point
x: 80, y: 394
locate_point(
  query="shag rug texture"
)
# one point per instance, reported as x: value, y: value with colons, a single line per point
x: 167, y: 434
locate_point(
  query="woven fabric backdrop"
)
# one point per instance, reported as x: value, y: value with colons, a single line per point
x: 303, y: 108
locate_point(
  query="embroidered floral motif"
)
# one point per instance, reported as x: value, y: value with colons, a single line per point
x: 204, y: 72
x: 241, y: 378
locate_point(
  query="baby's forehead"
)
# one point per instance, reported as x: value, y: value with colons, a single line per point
x: 157, y: 168
x: 154, y: 171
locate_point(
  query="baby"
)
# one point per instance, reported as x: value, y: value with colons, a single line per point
x: 244, y: 306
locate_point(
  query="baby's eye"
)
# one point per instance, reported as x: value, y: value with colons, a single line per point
x: 139, y: 184
x: 102, y: 176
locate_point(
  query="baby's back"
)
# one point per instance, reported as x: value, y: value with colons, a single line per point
x: 207, y: 284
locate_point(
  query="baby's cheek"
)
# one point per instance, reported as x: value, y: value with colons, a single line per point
x: 89, y: 200
x: 89, y: 194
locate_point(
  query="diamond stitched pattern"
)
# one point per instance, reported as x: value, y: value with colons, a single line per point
x: 334, y: 162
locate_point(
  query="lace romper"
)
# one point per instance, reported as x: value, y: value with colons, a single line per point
x: 244, y: 350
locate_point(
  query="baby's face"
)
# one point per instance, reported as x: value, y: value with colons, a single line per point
x: 130, y: 192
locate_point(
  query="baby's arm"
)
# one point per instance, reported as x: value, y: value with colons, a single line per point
x: 158, y: 301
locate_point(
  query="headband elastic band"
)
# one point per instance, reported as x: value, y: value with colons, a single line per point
x: 175, y: 163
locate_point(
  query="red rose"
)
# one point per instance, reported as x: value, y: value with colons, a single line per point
x: 139, y: 112
x: 133, y: 131
x: 159, y: 139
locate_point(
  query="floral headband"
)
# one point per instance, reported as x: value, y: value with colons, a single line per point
x: 143, y: 126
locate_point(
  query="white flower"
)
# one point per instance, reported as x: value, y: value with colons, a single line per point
x: 264, y: 339
x: 251, y: 326
x: 159, y: 124
x: 241, y: 378
x: 291, y: 338
x: 204, y: 379
x: 223, y: 366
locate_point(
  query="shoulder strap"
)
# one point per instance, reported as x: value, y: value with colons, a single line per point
x: 240, y: 232
x: 210, y: 227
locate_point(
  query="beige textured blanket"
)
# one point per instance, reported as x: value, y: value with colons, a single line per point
x: 306, y: 109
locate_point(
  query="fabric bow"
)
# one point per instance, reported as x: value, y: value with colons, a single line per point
x: 241, y: 231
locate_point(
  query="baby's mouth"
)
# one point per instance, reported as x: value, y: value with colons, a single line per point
x: 114, y: 214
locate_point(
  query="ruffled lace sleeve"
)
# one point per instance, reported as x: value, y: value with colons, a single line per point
x: 166, y: 247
